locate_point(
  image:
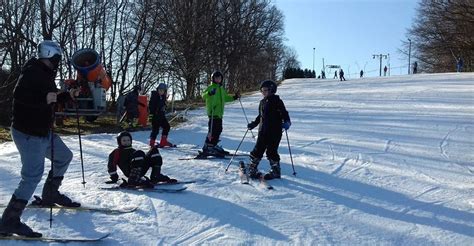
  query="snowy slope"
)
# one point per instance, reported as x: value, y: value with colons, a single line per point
x: 378, y: 161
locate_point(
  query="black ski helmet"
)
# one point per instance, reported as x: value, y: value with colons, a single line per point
x: 216, y: 74
x: 121, y: 135
x: 270, y: 84
x: 137, y: 88
x: 162, y: 86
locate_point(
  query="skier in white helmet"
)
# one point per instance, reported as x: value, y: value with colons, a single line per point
x: 33, y: 98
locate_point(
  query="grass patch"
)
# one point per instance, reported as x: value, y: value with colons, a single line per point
x: 106, y: 123
x: 5, y: 134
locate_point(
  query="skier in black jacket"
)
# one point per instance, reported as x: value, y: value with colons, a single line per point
x: 134, y: 164
x: 33, y: 105
x: 157, y: 108
x: 271, y: 119
x: 131, y: 105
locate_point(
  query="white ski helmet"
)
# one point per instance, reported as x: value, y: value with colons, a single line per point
x: 48, y: 48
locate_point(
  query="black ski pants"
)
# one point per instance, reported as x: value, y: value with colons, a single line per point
x: 158, y: 121
x: 267, y: 143
x: 215, y: 130
x: 141, y: 163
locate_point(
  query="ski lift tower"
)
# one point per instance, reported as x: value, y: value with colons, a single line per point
x: 330, y: 67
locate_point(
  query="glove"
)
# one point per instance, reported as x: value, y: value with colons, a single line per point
x: 286, y: 125
x: 114, y: 179
x: 212, y: 92
x: 51, y: 97
x: 237, y: 95
x: 251, y: 126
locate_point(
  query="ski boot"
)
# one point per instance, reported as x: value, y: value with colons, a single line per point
x: 221, y: 150
x: 51, y: 195
x: 157, y: 177
x: 253, y: 168
x: 152, y: 143
x: 275, y: 171
x: 164, y: 142
x: 136, y: 181
x: 210, y: 150
x: 10, y: 222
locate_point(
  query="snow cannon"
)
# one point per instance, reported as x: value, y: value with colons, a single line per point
x: 93, y: 82
x: 87, y: 64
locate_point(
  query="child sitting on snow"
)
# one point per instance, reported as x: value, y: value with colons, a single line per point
x: 271, y: 119
x: 134, y: 164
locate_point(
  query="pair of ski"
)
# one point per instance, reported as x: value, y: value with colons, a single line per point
x: 245, y: 179
x: 36, y: 204
x: 205, y: 156
x: 83, y: 239
x: 160, y: 187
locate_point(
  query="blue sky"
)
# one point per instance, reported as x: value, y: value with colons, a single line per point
x: 348, y: 33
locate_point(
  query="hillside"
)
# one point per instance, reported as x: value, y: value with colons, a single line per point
x: 378, y: 161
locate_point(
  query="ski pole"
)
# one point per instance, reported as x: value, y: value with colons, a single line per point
x: 238, y: 147
x: 209, y: 134
x: 52, y: 166
x: 242, y: 106
x: 289, y: 149
x: 80, y: 145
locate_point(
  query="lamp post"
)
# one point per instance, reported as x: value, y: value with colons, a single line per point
x: 409, y: 55
x: 314, y: 50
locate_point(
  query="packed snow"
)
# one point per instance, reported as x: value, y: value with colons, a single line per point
x: 378, y: 161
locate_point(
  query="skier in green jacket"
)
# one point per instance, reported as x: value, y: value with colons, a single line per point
x: 216, y: 96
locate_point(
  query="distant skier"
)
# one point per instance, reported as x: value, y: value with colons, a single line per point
x: 459, y: 65
x: 134, y: 164
x: 335, y: 74
x: 323, y: 74
x: 341, y: 75
x: 157, y: 107
x: 385, y: 69
x: 361, y: 73
x: 271, y: 119
x: 131, y: 105
x: 415, y: 67
x: 33, y: 99
x: 216, y: 96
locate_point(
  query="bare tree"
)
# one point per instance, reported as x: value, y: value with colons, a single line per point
x: 443, y: 32
x: 143, y: 42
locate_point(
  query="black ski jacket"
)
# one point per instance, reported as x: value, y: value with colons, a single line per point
x: 131, y: 103
x: 157, y: 104
x: 31, y: 114
x: 120, y: 157
x: 272, y: 113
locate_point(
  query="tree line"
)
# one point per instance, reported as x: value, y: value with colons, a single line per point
x: 144, y: 42
x: 290, y: 73
x: 442, y: 33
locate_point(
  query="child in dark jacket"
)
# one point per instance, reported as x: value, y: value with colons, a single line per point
x: 131, y: 104
x: 271, y: 119
x: 157, y: 108
x: 134, y: 164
